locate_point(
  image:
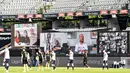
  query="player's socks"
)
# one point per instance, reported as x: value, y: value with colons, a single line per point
x: 84, y: 67
x: 47, y: 66
x: 103, y: 67
x: 72, y: 67
x: 7, y: 67
x: 24, y: 68
x: 67, y: 67
x: 7, y: 71
x: 42, y: 68
x: 39, y: 67
x: 29, y: 65
x: 30, y: 68
x: 27, y: 68
x: 54, y: 67
x: 107, y: 67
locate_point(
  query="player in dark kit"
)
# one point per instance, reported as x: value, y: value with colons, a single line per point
x: 29, y: 60
x: 24, y: 59
x: 40, y: 55
x: 85, y: 55
x: 48, y: 59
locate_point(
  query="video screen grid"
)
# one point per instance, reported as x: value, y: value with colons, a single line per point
x: 114, y: 42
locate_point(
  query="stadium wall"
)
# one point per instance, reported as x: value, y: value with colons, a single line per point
x: 62, y: 61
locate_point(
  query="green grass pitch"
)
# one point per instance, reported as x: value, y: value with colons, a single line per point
x: 63, y: 70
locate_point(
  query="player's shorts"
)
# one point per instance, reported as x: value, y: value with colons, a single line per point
x: 84, y: 62
x: 40, y: 61
x: 47, y: 61
x: 123, y: 64
x: 25, y: 61
x: 104, y: 61
x: 6, y: 61
x: 70, y: 61
x: 53, y: 62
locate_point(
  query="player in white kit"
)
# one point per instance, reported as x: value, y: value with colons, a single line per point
x: 71, y: 59
x: 105, y: 59
x: 6, y: 57
x: 53, y: 59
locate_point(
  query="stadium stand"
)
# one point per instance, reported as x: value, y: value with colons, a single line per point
x: 88, y: 5
x: 96, y: 5
x: 66, y: 6
x: 12, y: 7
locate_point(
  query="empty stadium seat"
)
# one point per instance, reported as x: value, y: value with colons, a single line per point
x: 11, y: 7
x: 87, y: 5
x: 31, y: 6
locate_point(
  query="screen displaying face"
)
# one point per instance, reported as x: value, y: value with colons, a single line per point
x: 25, y: 34
x: 63, y: 41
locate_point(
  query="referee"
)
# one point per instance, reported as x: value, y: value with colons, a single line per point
x: 85, y: 55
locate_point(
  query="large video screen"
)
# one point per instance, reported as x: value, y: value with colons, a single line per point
x: 63, y: 41
x: 25, y: 34
x: 114, y: 42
